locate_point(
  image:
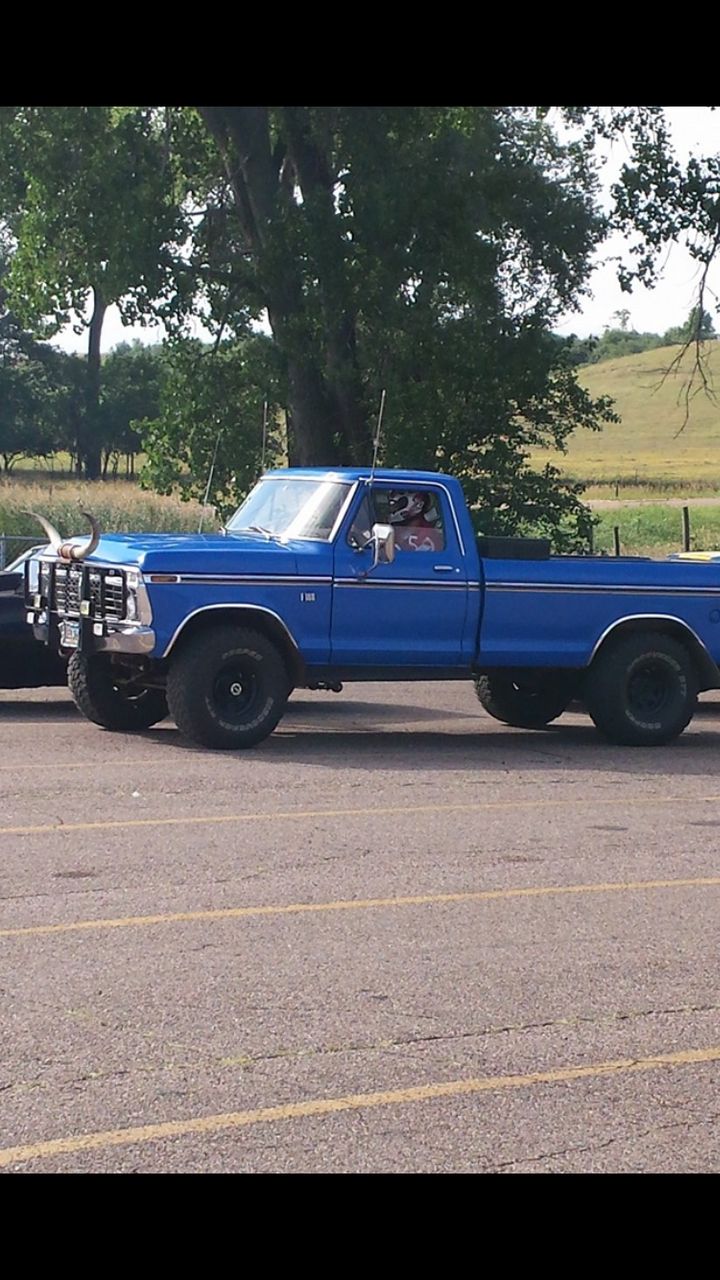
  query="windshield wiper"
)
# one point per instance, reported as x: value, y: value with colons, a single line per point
x: 258, y: 528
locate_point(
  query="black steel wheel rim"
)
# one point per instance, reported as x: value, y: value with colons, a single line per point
x: 235, y: 691
x: 650, y: 688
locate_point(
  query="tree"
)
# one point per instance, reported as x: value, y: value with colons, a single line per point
x: 209, y: 431
x: 425, y: 250
x: 699, y: 324
x: 616, y: 343
x: 27, y: 387
x: 130, y: 393
x: 88, y: 195
x: 25, y: 423
x: 660, y: 202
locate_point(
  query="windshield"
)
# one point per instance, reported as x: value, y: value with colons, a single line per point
x: 291, y: 508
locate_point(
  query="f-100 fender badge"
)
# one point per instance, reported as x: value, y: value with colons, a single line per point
x: 308, y: 597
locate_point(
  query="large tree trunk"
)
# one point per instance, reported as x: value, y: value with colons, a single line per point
x: 312, y: 438
x: 326, y: 414
x: 91, y: 449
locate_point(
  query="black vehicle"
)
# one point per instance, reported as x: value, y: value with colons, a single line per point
x: 25, y: 663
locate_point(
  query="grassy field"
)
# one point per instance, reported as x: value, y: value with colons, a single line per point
x: 643, y: 458
x: 120, y: 505
x: 657, y: 530
x: 644, y: 454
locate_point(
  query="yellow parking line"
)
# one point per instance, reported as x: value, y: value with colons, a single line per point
x: 360, y: 904
x: 230, y: 1120
x: 191, y: 820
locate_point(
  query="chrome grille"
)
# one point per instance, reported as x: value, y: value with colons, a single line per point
x: 68, y: 590
x: 105, y: 589
x: 113, y: 596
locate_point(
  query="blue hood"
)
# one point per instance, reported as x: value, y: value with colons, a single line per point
x: 197, y: 553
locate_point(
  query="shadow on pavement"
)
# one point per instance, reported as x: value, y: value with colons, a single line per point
x: 575, y: 747
x: 396, y: 713
x: 16, y: 711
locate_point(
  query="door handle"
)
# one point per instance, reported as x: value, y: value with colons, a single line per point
x: 443, y: 568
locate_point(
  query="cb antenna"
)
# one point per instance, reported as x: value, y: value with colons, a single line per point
x: 376, y: 441
x: 207, y: 487
x: 264, y: 436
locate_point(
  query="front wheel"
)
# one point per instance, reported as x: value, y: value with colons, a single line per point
x: 228, y: 688
x: 528, y: 703
x: 107, y: 697
x: 642, y: 691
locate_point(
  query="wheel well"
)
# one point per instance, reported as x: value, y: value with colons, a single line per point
x: 706, y: 667
x: 241, y: 616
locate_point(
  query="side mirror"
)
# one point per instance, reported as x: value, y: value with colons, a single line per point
x: 382, y: 541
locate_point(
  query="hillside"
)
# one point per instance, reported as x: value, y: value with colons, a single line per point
x: 645, y: 447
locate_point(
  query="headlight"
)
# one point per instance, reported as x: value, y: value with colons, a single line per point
x: 132, y: 582
x: 45, y: 578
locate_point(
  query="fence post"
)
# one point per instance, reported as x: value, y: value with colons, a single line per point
x: 2, y: 552
x: 686, y: 528
x: 616, y: 538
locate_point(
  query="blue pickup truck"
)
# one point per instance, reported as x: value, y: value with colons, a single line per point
x: 325, y: 576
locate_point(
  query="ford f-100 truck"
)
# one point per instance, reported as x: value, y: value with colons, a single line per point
x: 325, y: 576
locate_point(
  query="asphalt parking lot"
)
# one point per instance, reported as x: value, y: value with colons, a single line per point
x: 395, y: 937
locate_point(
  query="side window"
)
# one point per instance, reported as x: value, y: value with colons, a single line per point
x: 361, y: 527
x: 416, y: 518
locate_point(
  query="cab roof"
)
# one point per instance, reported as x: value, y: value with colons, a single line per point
x: 351, y: 474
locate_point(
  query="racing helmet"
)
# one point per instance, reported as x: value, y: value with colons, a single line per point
x: 405, y: 506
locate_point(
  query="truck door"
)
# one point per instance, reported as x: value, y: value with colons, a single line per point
x: 411, y: 612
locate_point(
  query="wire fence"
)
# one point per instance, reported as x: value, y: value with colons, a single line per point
x: 12, y: 546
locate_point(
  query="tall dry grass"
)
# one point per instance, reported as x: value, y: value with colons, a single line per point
x: 120, y: 505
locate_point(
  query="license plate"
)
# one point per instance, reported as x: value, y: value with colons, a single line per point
x: 70, y: 635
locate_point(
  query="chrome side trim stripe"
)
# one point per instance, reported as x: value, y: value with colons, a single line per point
x: 252, y: 579
x: 565, y: 588
x: 416, y: 584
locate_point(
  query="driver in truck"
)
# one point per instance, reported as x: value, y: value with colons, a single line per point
x: 415, y: 517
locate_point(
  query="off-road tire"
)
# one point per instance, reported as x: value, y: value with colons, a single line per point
x: 227, y: 688
x: 104, y: 699
x: 642, y: 691
x: 522, y: 705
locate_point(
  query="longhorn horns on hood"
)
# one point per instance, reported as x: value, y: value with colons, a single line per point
x: 68, y: 550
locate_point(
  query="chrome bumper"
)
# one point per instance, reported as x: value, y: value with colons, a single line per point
x: 111, y: 637
x: 122, y: 639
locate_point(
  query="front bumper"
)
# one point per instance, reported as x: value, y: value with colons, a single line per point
x: 94, y: 637
x: 84, y: 606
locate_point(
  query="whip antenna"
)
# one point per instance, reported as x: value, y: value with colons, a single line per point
x: 376, y: 441
x: 207, y: 487
x: 264, y: 436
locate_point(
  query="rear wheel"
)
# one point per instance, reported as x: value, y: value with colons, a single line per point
x: 527, y: 702
x: 228, y: 688
x: 642, y: 691
x: 105, y: 694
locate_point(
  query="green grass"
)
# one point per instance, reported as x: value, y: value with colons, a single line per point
x: 121, y: 506
x: 657, y: 530
x: 647, y: 453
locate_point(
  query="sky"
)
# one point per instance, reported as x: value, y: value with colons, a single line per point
x: 694, y: 129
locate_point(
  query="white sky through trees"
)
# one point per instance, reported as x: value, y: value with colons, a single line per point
x: 694, y: 130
